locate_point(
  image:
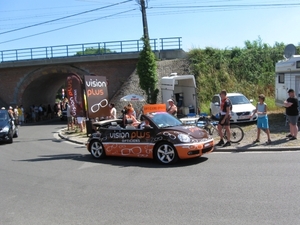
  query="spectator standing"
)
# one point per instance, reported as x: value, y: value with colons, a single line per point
x: 16, y: 115
x: 224, y: 120
x: 262, y: 121
x: 36, y: 112
x: 80, y: 123
x: 41, y: 112
x: 69, y: 116
x: 21, y: 114
x: 55, y: 109
x: 113, y: 111
x: 172, y: 109
x: 49, y: 112
x: 292, y: 114
x: 11, y: 111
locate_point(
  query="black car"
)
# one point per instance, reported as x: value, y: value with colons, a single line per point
x: 8, y: 129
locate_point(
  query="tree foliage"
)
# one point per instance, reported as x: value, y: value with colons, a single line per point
x: 250, y: 70
x: 94, y: 51
x: 147, y: 71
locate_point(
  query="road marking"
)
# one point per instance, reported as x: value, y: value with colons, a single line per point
x: 87, y: 165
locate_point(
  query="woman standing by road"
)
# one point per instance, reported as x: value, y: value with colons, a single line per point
x: 262, y: 121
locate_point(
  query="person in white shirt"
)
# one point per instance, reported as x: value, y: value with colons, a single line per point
x: 113, y: 111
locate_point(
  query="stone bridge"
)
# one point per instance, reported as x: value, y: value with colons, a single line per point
x: 38, y: 81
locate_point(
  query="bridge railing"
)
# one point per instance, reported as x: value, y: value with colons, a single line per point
x: 99, y: 48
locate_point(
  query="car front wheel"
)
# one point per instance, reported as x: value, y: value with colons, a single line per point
x: 10, y: 139
x: 97, y: 150
x: 165, y: 153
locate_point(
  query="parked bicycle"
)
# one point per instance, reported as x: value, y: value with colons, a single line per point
x: 211, y: 126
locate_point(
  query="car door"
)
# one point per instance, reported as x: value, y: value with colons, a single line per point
x: 215, y: 105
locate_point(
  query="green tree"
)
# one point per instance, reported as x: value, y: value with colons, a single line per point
x: 147, y: 71
x: 250, y: 70
x: 94, y: 51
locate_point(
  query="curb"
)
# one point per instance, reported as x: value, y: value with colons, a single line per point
x: 257, y: 149
x: 69, y: 139
x: 216, y: 149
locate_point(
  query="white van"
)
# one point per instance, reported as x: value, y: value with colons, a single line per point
x: 287, y: 76
x: 182, y: 89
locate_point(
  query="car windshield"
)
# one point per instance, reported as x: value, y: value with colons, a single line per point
x: 164, y: 120
x: 238, y: 100
x: 3, y: 116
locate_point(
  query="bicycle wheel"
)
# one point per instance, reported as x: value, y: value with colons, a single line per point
x: 237, y: 133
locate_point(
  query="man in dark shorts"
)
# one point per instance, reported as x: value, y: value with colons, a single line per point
x: 292, y: 114
x: 224, y: 119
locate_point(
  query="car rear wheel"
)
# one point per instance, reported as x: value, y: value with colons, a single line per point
x: 165, y: 153
x: 97, y: 150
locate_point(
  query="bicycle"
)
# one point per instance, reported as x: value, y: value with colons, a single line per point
x: 237, y: 133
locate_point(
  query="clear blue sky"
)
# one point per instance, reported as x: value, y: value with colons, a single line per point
x: 214, y: 23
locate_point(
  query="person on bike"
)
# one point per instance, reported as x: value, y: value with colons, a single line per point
x: 224, y: 121
x: 262, y: 121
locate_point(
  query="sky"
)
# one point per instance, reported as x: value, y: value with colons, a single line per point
x: 214, y: 23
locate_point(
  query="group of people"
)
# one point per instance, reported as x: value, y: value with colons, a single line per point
x: 291, y: 105
x: 17, y: 114
x: 292, y: 115
x: 130, y: 114
x: 40, y: 112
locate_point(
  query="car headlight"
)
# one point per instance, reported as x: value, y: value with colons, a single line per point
x: 184, y: 138
x: 5, y: 129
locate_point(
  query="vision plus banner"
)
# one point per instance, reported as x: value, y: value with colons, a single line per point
x: 74, y: 89
x: 97, y: 96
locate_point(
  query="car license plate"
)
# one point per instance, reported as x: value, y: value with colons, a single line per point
x: 244, y: 117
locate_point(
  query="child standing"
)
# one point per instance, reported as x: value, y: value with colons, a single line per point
x: 262, y: 121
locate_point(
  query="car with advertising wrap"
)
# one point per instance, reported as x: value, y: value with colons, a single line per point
x: 160, y: 136
x: 8, y: 129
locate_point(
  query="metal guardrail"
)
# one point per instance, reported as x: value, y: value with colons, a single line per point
x: 101, y: 48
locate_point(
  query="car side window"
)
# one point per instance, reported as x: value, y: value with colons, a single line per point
x: 216, y: 99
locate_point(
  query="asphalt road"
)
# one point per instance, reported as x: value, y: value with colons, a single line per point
x: 45, y: 180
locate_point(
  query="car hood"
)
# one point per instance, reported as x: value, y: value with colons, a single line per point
x: 243, y: 108
x: 192, y: 131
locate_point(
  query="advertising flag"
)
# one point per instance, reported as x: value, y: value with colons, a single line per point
x: 74, y: 93
x: 97, y: 96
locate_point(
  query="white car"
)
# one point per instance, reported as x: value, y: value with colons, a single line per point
x: 242, y: 108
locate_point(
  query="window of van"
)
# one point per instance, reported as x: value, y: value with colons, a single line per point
x: 281, y: 78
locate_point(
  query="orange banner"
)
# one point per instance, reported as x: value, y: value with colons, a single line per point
x: 154, y: 108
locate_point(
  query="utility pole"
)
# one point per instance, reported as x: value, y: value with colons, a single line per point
x: 144, y: 16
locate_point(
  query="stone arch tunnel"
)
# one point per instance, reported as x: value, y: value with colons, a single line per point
x: 39, y: 84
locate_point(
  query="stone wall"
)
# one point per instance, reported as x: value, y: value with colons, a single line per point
x: 131, y: 86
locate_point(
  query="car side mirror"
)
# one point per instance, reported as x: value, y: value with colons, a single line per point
x: 251, y: 100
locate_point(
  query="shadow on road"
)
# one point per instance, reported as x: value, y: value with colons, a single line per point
x: 117, y: 161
